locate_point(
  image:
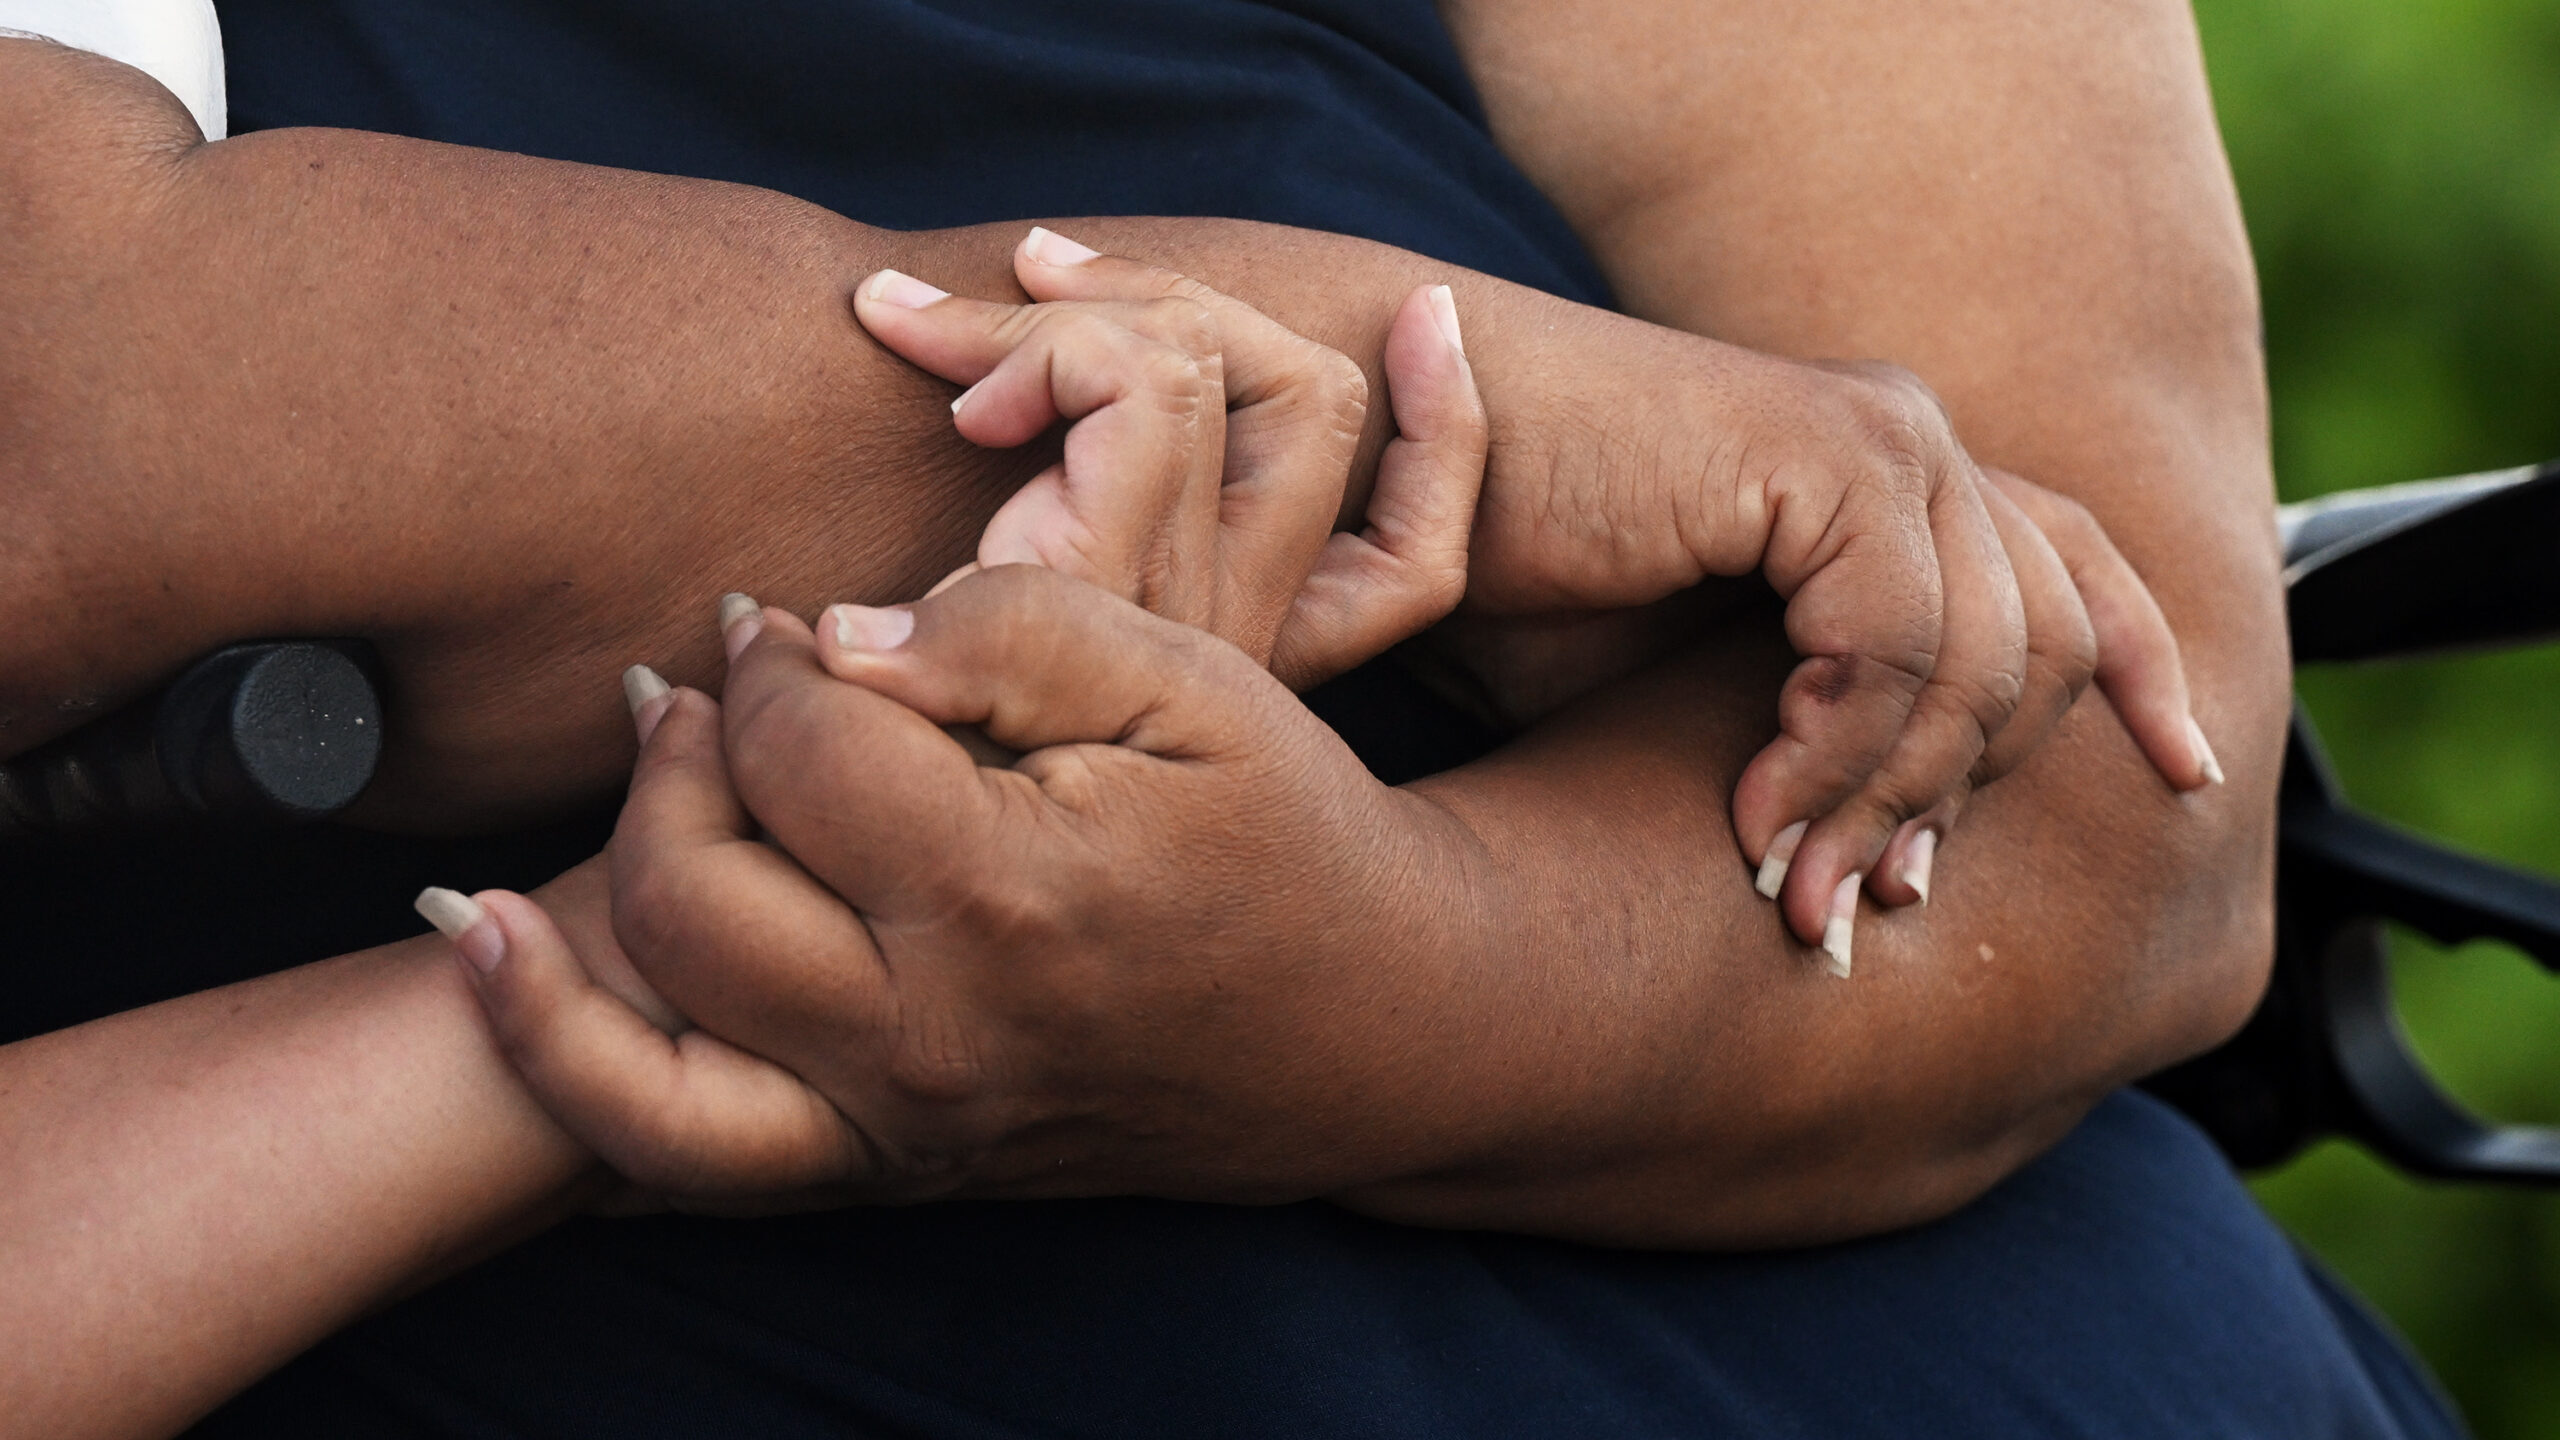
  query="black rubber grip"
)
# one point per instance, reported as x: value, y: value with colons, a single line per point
x: 272, y: 733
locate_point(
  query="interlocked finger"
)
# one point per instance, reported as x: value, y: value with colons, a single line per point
x: 689, y: 1116
x: 2059, y: 653
x: 1133, y: 507
x: 1971, y: 692
x: 1296, y: 411
x: 1406, y: 569
x: 2137, y: 667
x: 1263, y: 474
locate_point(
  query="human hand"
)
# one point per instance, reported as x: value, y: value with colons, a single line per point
x: 1947, y: 619
x: 1076, y: 974
x: 570, y: 977
x: 1207, y: 453
x: 1944, y: 633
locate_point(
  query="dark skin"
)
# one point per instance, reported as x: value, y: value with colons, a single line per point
x: 2076, y: 289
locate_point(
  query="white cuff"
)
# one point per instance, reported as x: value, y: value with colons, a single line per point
x: 176, y: 42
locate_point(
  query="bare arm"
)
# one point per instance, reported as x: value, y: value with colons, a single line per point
x: 199, y: 1189
x: 2027, y: 205
x: 487, y: 555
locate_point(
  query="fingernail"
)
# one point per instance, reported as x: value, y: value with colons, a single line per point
x: 466, y: 923
x: 861, y: 627
x: 962, y: 399
x: 890, y: 287
x: 1918, y: 860
x: 640, y: 685
x: 1444, y: 308
x: 1836, y: 930
x: 741, y: 620
x: 1048, y: 247
x: 2205, y: 760
x: 1773, y: 865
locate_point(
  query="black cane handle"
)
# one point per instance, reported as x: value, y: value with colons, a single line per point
x: 270, y: 733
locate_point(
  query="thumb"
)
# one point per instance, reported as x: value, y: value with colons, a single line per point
x: 687, y: 1115
x: 1038, y: 659
x: 1407, y: 568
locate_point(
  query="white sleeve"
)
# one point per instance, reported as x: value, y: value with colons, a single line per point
x: 176, y: 42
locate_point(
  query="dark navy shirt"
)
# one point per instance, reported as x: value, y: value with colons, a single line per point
x: 1345, y: 115
x: 2122, y: 1286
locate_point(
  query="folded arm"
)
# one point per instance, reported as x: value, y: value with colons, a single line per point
x: 1641, y: 1055
x: 2028, y: 206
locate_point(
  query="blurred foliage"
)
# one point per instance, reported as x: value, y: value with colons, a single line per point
x: 2400, y: 166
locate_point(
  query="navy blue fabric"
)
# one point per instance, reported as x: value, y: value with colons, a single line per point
x: 1344, y: 115
x: 2123, y: 1286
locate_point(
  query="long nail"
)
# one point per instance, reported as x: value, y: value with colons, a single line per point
x: 1773, y: 865
x: 1444, y: 308
x: 1836, y: 930
x: 861, y: 627
x: 1048, y: 247
x: 1918, y: 859
x: 741, y: 620
x: 466, y: 923
x: 640, y: 687
x: 2205, y: 760
x: 891, y: 287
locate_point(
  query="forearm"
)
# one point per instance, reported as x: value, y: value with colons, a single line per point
x: 338, y: 383
x: 2029, y: 209
x: 198, y: 1190
x: 1655, y: 1062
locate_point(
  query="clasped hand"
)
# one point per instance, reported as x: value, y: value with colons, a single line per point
x: 1170, y: 937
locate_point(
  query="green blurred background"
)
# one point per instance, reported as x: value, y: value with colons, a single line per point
x: 2400, y: 165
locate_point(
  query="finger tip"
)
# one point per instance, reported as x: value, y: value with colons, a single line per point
x: 471, y: 922
x: 1839, y: 925
x: 1045, y: 247
x: 1776, y: 858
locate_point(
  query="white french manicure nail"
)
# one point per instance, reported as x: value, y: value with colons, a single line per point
x: 1773, y: 865
x: 640, y: 685
x: 741, y: 620
x: 2205, y: 760
x: 450, y: 911
x: 465, y: 922
x: 1919, y: 860
x: 862, y: 627
x: 1836, y: 931
x: 962, y: 399
x: 1444, y: 309
x: 1051, y: 248
x: 891, y: 287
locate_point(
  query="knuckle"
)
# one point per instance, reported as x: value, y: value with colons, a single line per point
x: 1184, y: 322
x: 1178, y: 377
x: 1013, y: 914
x: 2068, y: 649
x: 937, y: 1058
x: 1176, y: 285
x: 1895, y: 423
x: 1893, y: 798
x: 1991, y: 694
x: 1339, y: 383
x: 1436, y: 589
